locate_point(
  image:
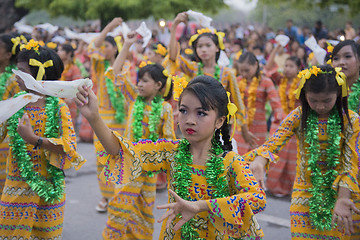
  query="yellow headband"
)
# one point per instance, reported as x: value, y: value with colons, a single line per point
x: 143, y: 64
x: 168, y: 82
x: 220, y: 36
x: 306, y: 74
x: 118, y: 43
x: 179, y: 84
x: 16, y: 41
x: 42, y: 66
x: 161, y: 50
x: 232, y: 109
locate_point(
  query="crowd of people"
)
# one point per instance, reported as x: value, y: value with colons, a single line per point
x: 216, y: 118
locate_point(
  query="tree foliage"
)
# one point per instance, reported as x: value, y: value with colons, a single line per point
x: 106, y: 10
x: 353, y: 6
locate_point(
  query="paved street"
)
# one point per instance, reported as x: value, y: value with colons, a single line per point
x: 82, y: 222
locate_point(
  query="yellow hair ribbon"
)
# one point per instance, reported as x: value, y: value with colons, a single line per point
x: 23, y: 39
x: 168, y: 82
x: 232, y: 109
x: 341, y: 80
x: 118, y: 43
x: 301, y: 85
x: 16, y: 41
x: 329, y: 62
x: 42, y: 66
x: 193, y: 39
x: 221, y: 36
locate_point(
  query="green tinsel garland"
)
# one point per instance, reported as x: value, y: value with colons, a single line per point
x: 213, y: 173
x: 216, y: 74
x: 154, y: 117
x: 52, y: 190
x: 4, y: 77
x: 116, y: 97
x: 323, y: 197
x: 354, y: 97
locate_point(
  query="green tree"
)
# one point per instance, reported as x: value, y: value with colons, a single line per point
x: 106, y: 10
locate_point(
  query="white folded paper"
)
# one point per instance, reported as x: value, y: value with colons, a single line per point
x: 145, y: 32
x: 319, y: 52
x: 283, y: 40
x: 223, y: 59
x: 48, y: 27
x: 123, y: 29
x: 200, y: 19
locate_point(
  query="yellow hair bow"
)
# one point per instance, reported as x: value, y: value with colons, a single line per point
x: 16, y: 41
x: 168, y: 82
x: 232, y: 109
x: 42, y: 66
x: 305, y: 75
x: 341, y: 80
x: 23, y: 39
x: 118, y: 43
x: 179, y: 84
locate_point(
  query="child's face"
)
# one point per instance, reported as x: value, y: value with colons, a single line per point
x: 110, y: 50
x: 24, y: 67
x: 348, y: 61
x: 322, y: 103
x: 147, y: 86
x: 290, y: 69
x: 152, y: 56
x: 63, y: 54
x: 206, y: 48
x: 196, y: 124
x: 246, y: 70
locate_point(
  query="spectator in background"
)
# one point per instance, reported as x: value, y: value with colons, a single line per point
x: 291, y: 30
x: 319, y: 31
x: 350, y: 33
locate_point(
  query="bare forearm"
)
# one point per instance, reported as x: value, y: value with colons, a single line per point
x: 100, y: 39
x: 344, y: 193
x: 120, y: 59
x: 173, y: 44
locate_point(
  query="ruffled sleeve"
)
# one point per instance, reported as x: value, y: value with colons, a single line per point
x: 234, y: 215
x: 274, y: 99
x: 11, y: 88
x: 278, y: 140
x: 96, y: 53
x: 134, y: 158
x: 347, y: 176
x: 186, y: 66
x: 3, y: 131
x: 67, y: 140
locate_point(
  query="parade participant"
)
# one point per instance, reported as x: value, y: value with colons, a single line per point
x: 256, y: 90
x: 151, y: 118
x: 327, y: 161
x: 102, y: 52
x: 42, y: 144
x: 207, y: 45
x: 346, y: 55
x: 211, y: 187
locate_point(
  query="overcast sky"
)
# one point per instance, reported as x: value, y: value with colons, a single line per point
x: 242, y: 4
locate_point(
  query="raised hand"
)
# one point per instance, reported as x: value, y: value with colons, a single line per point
x: 181, y: 17
x: 25, y: 129
x: 131, y: 38
x: 114, y: 23
x: 87, y: 103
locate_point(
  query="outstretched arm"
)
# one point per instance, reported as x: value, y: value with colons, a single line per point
x: 113, y: 24
x: 120, y: 59
x: 173, y: 47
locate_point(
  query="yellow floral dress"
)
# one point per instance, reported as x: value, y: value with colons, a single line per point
x: 106, y: 110
x: 130, y: 212
x: 228, y: 217
x: 301, y: 227
x: 11, y: 88
x: 23, y: 214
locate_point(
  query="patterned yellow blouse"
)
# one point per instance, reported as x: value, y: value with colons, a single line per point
x: 231, y: 216
x: 227, y: 79
x: 23, y: 214
x: 301, y: 227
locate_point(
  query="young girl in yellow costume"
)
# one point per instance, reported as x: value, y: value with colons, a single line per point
x: 346, y: 55
x: 42, y: 144
x: 213, y: 194
x: 207, y: 45
x: 130, y: 212
x: 328, y: 154
x: 9, y: 47
x: 112, y: 105
x: 281, y: 176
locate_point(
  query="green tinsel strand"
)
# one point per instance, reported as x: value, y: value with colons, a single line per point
x: 4, y: 78
x: 354, y: 97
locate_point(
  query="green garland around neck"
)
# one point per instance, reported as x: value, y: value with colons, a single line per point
x: 216, y: 73
x: 116, y: 97
x: 51, y: 189
x: 4, y: 78
x: 354, y: 97
x: 214, y: 174
x: 154, y: 117
x: 323, y: 197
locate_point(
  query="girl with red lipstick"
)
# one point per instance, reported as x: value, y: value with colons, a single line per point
x: 346, y: 55
x: 212, y: 192
x: 150, y: 117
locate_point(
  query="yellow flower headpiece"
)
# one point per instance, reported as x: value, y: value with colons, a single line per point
x: 31, y: 45
x: 51, y: 45
x: 306, y: 74
x: 220, y: 36
x: 118, y: 43
x: 232, y: 109
x: 180, y: 84
x: 143, y: 64
x: 168, y: 82
x: 16, y: 41
x: 189, y: 51
x: 160, y: 49
x: 42, y: 66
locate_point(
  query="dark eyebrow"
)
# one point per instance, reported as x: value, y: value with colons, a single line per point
x: 199, y: 108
